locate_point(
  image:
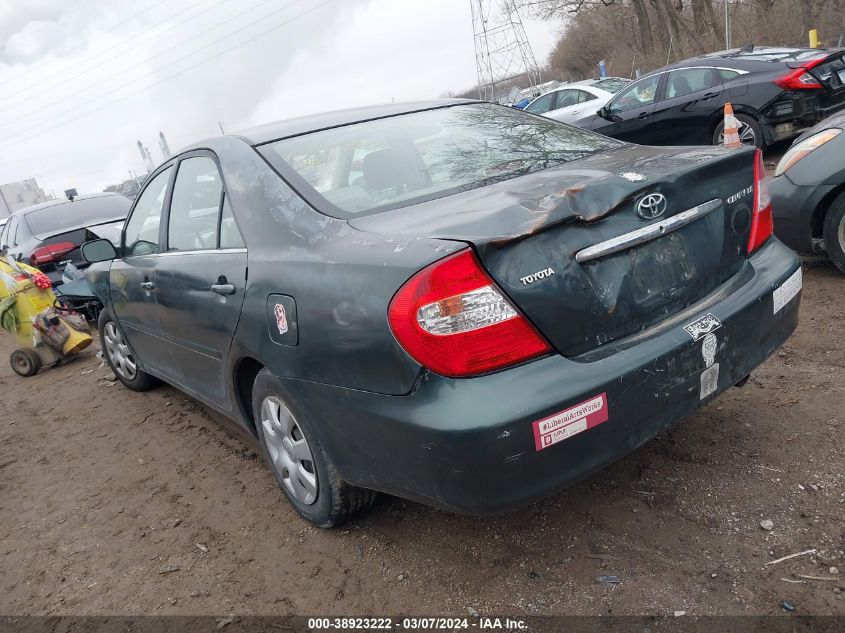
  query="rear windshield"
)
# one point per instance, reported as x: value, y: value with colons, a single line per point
x: 612, y: 84
x: 79, y: 213
x: 398, y: 161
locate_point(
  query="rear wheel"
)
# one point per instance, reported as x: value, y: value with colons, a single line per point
x: 306, y: 475
x: 750, y: 132
x: 120, y: 356
x: 834, y: 232
x: 25, y: 362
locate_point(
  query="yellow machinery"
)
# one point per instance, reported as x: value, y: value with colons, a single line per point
x: 27, y: 309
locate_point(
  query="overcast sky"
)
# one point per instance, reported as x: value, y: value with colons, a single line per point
x: 82, y: 81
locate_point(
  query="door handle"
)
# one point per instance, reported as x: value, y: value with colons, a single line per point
x: 710, y: 95
x: 148, y: 285
x: 223, y: 289
x: 642, y: 115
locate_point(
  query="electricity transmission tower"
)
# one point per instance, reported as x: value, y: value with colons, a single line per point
x: 502, y: 51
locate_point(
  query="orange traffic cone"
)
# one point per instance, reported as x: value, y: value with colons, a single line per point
x: 731, y: 129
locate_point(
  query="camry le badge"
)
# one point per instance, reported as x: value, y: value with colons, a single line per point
x: 651, y: 206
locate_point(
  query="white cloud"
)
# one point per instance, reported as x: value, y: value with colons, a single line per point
x: 82, y: 81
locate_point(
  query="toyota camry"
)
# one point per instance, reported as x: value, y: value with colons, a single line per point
x: 453, y: 302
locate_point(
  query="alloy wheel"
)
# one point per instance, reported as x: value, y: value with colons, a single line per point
x: 746, y: 134
x: 289, y: 450
x: 119, y: 353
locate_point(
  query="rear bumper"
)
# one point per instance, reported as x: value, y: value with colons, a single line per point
x: 793, y: 113
x: 468, y: 445
x: 793, y: 207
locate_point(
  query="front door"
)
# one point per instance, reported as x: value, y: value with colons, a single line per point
x: 629, y: 114
x: 133, y: 277
x: 201, y: 279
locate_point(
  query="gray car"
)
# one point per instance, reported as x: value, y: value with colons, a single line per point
x: 808, y: 192
x: 454, y: 302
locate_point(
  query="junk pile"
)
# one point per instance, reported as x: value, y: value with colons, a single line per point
x: 46, y: 332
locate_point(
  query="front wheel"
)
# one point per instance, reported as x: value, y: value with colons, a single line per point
x: 750, y: 132
x: 304, y: 472
x: 834, y: 232
x: 120, y: 356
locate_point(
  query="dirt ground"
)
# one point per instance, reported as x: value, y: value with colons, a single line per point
x: 114, y: 502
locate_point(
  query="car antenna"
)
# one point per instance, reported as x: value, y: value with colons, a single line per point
x: 71, y: 194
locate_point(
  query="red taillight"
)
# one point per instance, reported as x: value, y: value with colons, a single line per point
x: 452, y: 319
x: 50, y: 253
x: 761, y: 218
x: 800, y: 79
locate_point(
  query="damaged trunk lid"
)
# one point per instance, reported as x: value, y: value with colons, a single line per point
x: 603, y: 247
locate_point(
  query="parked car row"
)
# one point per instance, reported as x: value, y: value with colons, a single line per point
x: 776, y: 93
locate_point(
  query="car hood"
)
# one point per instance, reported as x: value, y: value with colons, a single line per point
x: 585, y: 190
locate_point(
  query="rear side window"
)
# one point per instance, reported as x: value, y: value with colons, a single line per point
x: 230, y: 236
x: 689, y: 80
x: 566, y: 98
x: 584, y: 96
x: 142, y: 230
x: 401, y: 160
x: 195, y: 206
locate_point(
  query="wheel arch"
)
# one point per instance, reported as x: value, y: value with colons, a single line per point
x: 820, y: 212
x: 245, y: 372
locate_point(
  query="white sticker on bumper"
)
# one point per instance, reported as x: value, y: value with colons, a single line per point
x: 787, y: 291
x: 709, y: 381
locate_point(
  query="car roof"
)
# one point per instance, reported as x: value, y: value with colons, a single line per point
x: 314, y: 122
x: 599, y: 92
x: 60, y: 201
x: 748, y: 58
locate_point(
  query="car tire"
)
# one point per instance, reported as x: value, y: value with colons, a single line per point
x: 120, y: 357
x: 834, y: 232
x: 747, y: 125
x: 288, y: 438
x: 25, y: 362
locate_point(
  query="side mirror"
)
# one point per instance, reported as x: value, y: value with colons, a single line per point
x: 602, y: 112
x: 101, y: 250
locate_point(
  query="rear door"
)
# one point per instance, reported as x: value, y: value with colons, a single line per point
x: 132, y: 279
x: 690, y: 99
x: 201, y: 278
x: 572, y: 104
x: 629, y: 114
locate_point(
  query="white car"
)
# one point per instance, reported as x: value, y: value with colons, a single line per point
x: 573, y: 101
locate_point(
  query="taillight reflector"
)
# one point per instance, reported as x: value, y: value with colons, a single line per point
x: 800, y: 79
x: 452, y: 319
x: 50, y: 253
x: 761, y: 218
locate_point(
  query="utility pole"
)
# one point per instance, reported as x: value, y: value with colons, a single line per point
x: 502, y: 50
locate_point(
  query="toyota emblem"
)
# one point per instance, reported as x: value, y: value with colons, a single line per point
x: 651, y: 206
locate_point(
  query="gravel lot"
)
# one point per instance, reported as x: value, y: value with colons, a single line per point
x: 113, y: 502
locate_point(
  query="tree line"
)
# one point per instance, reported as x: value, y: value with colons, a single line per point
x: 633, y: 35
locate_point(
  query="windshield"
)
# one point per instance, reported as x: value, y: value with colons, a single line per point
x: 398, y: 161
x: 77, y: 214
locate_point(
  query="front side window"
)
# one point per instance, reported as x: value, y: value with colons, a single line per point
x: 636, y: 95
x: 195, y: 205
x: 402, y: 160
x: 541, y: 105
x: 141, y: 234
